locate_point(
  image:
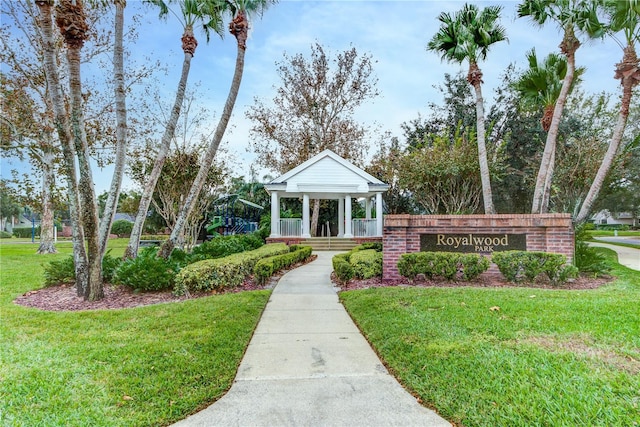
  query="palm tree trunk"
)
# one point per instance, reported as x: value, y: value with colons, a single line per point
x: 111, y: 204
x: 540, y: 196
x: 88, y: 203
x: 239, y: 28
x: 629, y: 80
x: 485, y: 176
x: 47, y: 244
x: 66, y: 140
x: 547, y: 184
x: 165, y: 143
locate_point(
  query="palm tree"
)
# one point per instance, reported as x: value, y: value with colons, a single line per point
x: 623, y: 16
x: 209, y: 13
x: 239, y: 27
x: 540, y: 86
x: 570, y: 16
x: 467, y: 36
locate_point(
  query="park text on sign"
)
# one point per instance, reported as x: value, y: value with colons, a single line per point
x: 472, y: 242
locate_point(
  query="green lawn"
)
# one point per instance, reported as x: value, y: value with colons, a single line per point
x: 545, y: 357
x: 147, y: 366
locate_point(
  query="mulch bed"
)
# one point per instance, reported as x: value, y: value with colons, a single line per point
x: 64, y: 298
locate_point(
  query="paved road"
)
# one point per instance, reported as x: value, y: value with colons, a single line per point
x: 308, y: 365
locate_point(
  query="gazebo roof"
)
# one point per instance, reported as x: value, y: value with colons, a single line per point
x: 326, y: 176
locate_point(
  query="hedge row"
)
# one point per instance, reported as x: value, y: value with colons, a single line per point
x: 447, y: 265
x: 220, y: 273
x: 522, y: 266
x: 363, y: 262
x: 515, y: 266
x: 266, y: 267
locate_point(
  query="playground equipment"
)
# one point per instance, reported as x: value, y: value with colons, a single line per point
x: 233, y: 215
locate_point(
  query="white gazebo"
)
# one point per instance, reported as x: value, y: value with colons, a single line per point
x: 327, y: 176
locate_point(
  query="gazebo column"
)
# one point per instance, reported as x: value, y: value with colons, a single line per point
x: 305, y: 216
x: 379, y: 214
x: 347, y: 220
x: 275, y: 214
x: 341, y: 217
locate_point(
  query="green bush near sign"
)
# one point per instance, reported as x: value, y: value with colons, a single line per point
x: 522, y: 266
x: 363, y: 261
x: 447, y: 265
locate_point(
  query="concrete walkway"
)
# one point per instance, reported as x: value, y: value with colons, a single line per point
x: 629, y: 257
x: 308, y: 365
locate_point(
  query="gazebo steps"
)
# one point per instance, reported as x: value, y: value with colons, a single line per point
x: 329, y: 244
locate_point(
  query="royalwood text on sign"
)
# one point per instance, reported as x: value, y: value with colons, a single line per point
x: 472, y: 242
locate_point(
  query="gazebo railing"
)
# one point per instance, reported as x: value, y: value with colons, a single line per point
x: 291, y: 227
x: 364, y: 227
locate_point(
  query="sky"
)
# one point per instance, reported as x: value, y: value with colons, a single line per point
x: 394, y: 33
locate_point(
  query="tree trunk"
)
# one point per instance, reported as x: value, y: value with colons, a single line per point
x: 111, y: 204
x: 47, y: 244
x: 86, y: 190
x: 540, y: 196
x: 547, y: 184
x: 239, y: 28
x: 485, y: 177
x: 66, y: 141
x: 630, y: 77
x: 72, y: 23
x: 165, y: 143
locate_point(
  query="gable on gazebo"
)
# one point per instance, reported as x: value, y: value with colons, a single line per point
x: 328, y: 176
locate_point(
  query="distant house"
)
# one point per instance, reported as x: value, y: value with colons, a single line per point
x: 605, y: 217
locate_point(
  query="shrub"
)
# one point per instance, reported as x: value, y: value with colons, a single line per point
x: 60, y: 271
x: 5, y: 235
x: 147, y: 272
x: 366, y: 263
x: 353, y: 264
x: 222, y: 246
x: 586, y: 258
x: 522, y: 266
x: 448, y: 265
x: 220, y: 273
x: 266, y: 267
x: 110, y: 265
x: 64, y: 270
x: 473, y: 265
x: 122, y: 227
x: 25, y: 232
x: 342, y: 267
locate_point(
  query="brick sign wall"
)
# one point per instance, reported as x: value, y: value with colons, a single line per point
x: 482, y: 234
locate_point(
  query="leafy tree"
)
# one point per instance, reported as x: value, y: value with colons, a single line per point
x: 443, y: 177
x: 623, y: 16
x: 456, y: 110
x: 467, y: 36
x: 571, y: 16
x: 208, y: 13
x: 239, y: 27
x: 313, y: 111
x: 9, y: 205
x: 387, y: 165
